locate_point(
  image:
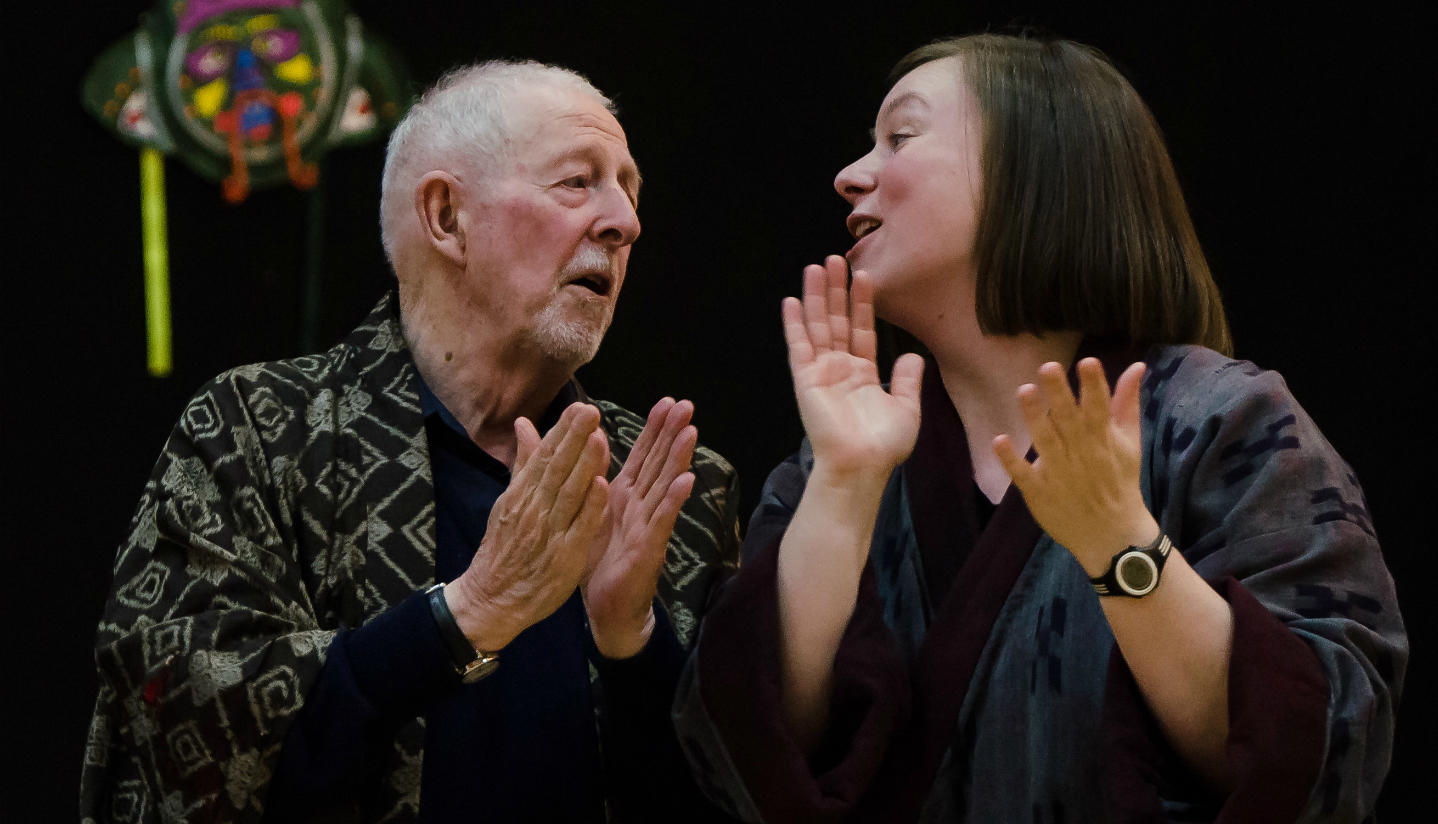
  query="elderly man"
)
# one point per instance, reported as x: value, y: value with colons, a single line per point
x: 275, y: 645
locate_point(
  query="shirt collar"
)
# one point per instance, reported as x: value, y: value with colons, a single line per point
x: 430, y: 405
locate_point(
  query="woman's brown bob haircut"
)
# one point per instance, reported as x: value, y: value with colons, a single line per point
x: 1082, y: 224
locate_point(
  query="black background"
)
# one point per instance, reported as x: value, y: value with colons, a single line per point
x: 1300, y: 136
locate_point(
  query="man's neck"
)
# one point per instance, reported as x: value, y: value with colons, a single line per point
x: 485, y: 384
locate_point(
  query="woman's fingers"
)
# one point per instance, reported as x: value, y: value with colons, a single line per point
x: 836, y: 280
x: 796, y: 334
x: 1019, y: 469
x: 816, y: 308
x: 863, y: 341
x: 1058, y: 397
x: 1125, y: 396
x: 1093, y: 394
x: 906, y: 380
x: 1034, y: 406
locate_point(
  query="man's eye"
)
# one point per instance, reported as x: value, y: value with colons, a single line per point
x: 898, y: 138
x: 576, y: 182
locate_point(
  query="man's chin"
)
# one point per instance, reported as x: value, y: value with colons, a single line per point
x: 571, y: 344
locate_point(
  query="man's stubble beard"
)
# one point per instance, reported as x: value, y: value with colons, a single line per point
x: 568, y: 337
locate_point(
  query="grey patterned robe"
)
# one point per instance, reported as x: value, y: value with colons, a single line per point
x: 1006, y: 702
x: 295, y: 499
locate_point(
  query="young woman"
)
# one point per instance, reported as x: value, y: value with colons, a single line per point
x: 1077, y: 563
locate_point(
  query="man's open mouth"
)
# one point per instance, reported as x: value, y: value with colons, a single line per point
x: 595, y: 282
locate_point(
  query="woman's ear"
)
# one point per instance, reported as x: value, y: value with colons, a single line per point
x: 437, y: 201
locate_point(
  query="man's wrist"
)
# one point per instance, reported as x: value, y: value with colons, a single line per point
x: 617, y: 646
x: 474, y: 618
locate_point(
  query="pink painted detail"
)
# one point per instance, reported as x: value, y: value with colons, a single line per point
x: 276, y: 45
x: 210, y: 61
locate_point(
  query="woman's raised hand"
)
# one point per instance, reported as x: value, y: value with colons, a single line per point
x: 1083, y: 488
x: 853, y: 424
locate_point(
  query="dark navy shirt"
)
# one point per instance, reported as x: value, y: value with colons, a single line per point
x: 520, y: 745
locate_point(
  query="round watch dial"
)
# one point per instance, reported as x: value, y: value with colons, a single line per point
x: 1137, y: 573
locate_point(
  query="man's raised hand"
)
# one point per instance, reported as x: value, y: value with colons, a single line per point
x: 536, y: 545
x: 644, y: 501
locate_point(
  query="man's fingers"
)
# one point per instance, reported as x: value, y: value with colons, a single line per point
x: 647, y: 436
x: 581, y: 423
x: 653, y: 463
x: 676, y: 463
x: 526, y: 444
x: 570, y: 494
x: 836, y: 291
x: 589, y: 521
x: 675, y: 495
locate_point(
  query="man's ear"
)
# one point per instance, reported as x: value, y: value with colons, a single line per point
x: 437, y: 201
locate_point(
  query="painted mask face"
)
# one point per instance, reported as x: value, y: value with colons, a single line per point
x: 248, y: 92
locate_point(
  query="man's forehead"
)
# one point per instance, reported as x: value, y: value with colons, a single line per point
x: 565, y: 123
x: 543, y: 109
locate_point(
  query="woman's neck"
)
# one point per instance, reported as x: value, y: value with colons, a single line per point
x: 982, y: 374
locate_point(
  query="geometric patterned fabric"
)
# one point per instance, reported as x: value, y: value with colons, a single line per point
x: 294, y: 499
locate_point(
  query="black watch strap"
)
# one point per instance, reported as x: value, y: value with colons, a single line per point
x: 471, y: 664
x: 1134, y: 572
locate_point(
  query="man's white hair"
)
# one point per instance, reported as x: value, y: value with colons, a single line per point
x: 460, y: 123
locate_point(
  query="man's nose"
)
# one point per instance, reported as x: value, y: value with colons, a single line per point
x: 618, y: 222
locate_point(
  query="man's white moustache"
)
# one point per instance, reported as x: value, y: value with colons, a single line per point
x: 589, y: 259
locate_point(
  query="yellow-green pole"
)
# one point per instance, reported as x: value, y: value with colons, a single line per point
x: 157, y: 263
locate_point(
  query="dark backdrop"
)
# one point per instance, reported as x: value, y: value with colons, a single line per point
x: 1299, y: 135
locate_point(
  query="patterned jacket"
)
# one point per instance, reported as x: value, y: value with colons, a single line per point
x: 295, y: 499
x: 1006, y: 700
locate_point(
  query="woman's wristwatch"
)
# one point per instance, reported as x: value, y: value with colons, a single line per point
x: 1135, y: 571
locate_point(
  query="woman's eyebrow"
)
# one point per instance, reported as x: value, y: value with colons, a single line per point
x: 894, y: 105
x: 901, y: 100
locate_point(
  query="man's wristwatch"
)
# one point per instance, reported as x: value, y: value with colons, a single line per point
x: 1135, y: 571
x: 471, y: 664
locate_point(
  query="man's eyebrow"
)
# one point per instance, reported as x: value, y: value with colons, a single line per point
x: 632, y: 173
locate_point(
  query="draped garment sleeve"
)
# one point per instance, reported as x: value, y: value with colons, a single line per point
x: 292, y: 500
x: 1265, y: 509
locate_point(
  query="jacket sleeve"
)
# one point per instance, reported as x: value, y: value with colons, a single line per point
x: 728, y: 711
x: 647, y: 777
x: 209, y: 641
x: 1264, y: 509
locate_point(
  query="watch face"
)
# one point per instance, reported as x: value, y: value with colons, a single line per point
x: 1137, y: 574
x: 479, y: 669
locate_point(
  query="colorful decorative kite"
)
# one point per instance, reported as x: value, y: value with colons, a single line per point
x: 249, y: 93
